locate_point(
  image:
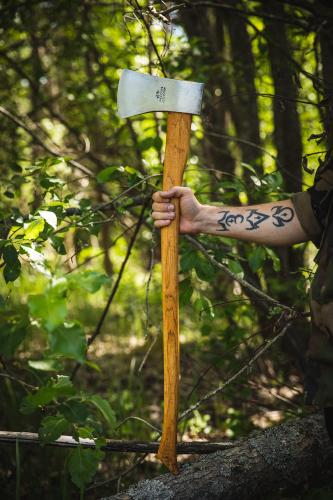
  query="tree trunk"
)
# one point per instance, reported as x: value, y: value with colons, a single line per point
x: 287, y: 135
x: 245, y: 107
x: 326, y: 45
x: 289, y: 457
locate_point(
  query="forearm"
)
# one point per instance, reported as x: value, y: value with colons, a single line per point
x: 272, y: 224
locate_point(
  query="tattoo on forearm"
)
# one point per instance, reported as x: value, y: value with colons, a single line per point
x: 227, y: 219
x: 255, y: 218
x: 280, y: 217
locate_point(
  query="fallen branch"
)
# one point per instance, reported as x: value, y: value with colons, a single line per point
x: 117, y: 445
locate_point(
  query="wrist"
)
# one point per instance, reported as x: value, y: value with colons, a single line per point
x: 205, y: 221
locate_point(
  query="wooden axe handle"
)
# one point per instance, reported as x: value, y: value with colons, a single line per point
x: 177, y: 146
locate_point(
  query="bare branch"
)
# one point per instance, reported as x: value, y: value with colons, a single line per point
x: 52, y: 151
x: 245, y: 284
x: 118, y: 445
x: 264, y: 347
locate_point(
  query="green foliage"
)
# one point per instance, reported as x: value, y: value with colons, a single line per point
x: 52, y: 428
x: 82, y: 465
x: 50, y: 307
x: 14, y: 327
x: 54, y: 390
x: 12, y: 265
x: 105, y: 409
x: 68, y: 340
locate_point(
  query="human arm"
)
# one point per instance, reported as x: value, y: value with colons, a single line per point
x: 273, y: 224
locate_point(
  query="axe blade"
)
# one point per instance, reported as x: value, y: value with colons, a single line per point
x: 140, y: 93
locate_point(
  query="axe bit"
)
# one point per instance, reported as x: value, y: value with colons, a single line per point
x: 140, y: 93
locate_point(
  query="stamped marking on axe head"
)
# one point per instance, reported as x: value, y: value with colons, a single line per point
x: 140, y: 93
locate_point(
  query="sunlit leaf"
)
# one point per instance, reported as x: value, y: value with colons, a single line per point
x: 50, y: 217
x: 34, y: 228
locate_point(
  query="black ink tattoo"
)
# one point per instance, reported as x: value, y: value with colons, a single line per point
x: 282, y: 215
x: 227, y: 219
x: 255, y: 218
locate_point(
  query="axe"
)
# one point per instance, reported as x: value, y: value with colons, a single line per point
x: 140, y: 93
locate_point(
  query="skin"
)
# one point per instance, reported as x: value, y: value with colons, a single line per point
x: 271, y: 224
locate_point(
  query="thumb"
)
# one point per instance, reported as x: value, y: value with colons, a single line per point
x: 175, y: 192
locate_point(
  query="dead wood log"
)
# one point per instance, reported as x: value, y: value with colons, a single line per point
x: 285, y: 457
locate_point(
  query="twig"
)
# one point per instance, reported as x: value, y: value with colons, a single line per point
x: 140, y: 420
x: 151, y: 39
x: 18, y: 380
x: 229, y: 8
x: 135, y: 463
x: 143, y: 362
x: 264, y: 347
x: 52, y: 151
x: 99, y: 253
x: 115, y: 287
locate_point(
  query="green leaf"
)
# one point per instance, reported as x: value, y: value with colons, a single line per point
x: 274, y: 258
x: 188, y: 260
x: 61, y: 387
x: 185, y: 291
x: 52, y: 428
x: 89, y: 280
x: 249, y: 167
x: 82, y: 465
x: 236, y: 268
x: 69, y: 341
x: 14, y: 328
x: 58, y: 244
x: 257, y: 258
x: 34, y: 228
x: 49, y: 307
x: 205, y: 271
x: 146, y: 143
x: 108, y: 174
x: 75, y: 411
x: 50, y: 217
x: 12, y: 266
x: 11, y: 273
x: 203, y: 306
x: 47, y: 365
x: 104, y: 408
x: 41, y: 397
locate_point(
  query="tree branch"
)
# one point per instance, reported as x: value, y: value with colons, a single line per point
x: 52, y: 151
x: 115, y: 445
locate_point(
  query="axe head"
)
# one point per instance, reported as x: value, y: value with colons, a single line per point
x: 140, y: 93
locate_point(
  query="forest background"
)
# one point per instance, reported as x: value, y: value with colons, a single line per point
x: 80, y: 303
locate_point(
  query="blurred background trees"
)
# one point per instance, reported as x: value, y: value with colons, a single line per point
x: 80, y: 334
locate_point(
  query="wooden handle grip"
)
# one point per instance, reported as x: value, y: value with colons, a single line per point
x: 177, y: 146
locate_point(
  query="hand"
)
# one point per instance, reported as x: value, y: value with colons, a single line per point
x: 190, y: 209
